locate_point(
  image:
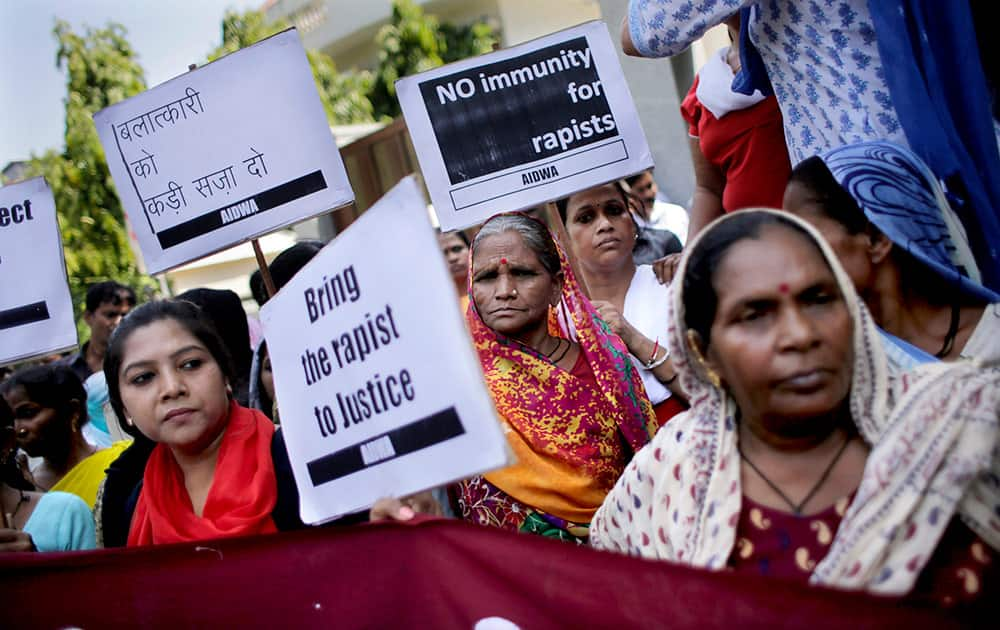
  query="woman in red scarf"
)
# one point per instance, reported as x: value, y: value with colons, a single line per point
x: 208, y: 465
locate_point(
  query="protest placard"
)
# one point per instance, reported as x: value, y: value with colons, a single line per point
x: 36, y: 310
x: 516, y: 128
x: 224, y: 153
x: 379, y: 390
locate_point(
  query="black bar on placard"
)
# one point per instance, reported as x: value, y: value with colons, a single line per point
x: 290, y: 191
x: 434, y: 429
x: 21, y: 315
x: 265, y: 200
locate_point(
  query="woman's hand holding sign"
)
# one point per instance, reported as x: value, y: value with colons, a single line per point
x: 391, y: 509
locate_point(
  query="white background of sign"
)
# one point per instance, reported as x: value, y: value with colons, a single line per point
x: 32, y: 270
x: 395, y: 258
x: 260, y: 100
x: 581, y: 166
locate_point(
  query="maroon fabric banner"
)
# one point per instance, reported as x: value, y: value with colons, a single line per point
x: 437, y: 573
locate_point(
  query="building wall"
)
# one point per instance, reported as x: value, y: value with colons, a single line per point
x: 233, y: 275
x: 230, y: 268
x: 524, y: 20
x: 655, y: 93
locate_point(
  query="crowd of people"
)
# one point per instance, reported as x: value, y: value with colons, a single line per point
x: 798, y: 377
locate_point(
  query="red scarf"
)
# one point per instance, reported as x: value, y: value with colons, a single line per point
x: 239, y: 503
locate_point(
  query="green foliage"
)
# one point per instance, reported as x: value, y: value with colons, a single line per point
x: 344, y: 94
x: 242, y: 30
x: 100, y: 70
x: 414, y: 42
x: 474, y: 39
x: 409, y: 44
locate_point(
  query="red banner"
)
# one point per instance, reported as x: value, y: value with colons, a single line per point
x: 439, y: 574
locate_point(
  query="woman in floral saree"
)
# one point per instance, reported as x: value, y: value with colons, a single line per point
x: 802, y: 457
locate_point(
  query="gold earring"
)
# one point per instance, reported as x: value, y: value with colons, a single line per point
x: 710, y: 374
x: 713, y: 378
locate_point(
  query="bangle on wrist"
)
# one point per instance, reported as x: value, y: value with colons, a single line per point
x: 654, y: 363
x: 671, y: 379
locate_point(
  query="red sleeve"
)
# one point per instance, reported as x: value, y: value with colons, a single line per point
x: 691, y: 109
x: 759, y: 167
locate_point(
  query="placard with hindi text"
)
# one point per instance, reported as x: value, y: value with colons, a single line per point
x: 230, y: 151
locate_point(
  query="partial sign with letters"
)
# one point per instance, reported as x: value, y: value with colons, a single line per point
x: 378, y: 386
x: 516, y: 128
x: 36, y: 310
x: 225, y: 153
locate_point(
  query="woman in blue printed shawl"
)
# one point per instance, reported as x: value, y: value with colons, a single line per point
x: 888, y: 219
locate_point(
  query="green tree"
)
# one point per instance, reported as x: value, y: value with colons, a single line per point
x: 344, y: 94
x: 101, y: 69
x: 470, y: 40
x: 413, y: 42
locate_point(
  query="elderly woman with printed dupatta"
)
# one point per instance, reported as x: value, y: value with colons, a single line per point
x: 887, y: 218
x: 573, y: 406
x: 800, y: 458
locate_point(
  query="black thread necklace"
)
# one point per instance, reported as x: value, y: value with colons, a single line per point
x: 569, y: 345
x: 548, y: 355
x: 797, y: 507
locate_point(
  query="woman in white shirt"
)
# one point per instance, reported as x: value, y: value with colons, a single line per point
x: 629, y: 298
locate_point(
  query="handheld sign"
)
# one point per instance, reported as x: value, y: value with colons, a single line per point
x: 36, y: 310
x: 379, y: 389
x: 516, y: 128
x: 224, y: 153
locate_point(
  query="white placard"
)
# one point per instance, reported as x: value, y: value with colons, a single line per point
x: 228, y: 152
x: 36, y: 310
x: 516, y: 128
x: 379, y: 389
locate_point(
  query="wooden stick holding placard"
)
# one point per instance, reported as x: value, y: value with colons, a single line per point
x: 265, y: 271
x: 555, y: 221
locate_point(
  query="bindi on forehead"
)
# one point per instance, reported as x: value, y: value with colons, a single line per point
x: 783, y: 288
x: 506, y: 248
